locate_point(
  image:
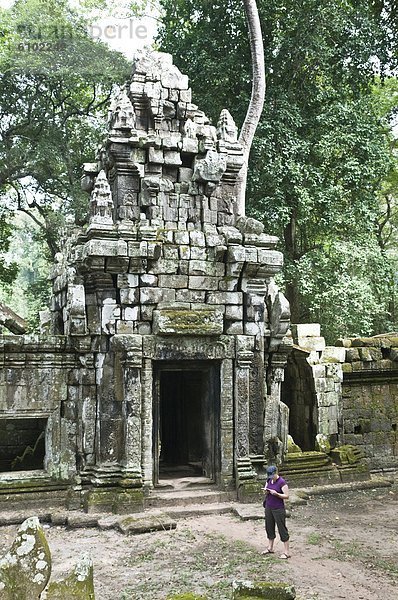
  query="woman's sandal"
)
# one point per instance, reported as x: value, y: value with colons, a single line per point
x: 284, y: 556
x: 267, y: 551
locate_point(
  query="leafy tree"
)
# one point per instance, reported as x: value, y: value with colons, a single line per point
x: 321, y: 150
x: 8, y: 270
x: 55, y: 86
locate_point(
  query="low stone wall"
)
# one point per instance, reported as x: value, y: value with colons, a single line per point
x: 370, y: 398
x: 350, y: 395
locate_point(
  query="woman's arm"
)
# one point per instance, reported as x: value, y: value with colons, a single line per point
x: 284, y: 495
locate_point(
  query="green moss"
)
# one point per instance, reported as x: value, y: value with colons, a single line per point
x: 71, y: 591
x: 182, y: 321
x: 115, y: 499
x: 263, y: 590
x: 77, y: 586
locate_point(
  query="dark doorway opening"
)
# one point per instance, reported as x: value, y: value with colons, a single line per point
x: 298, y: 393
x: 22, y: 444
x: 186, y: 420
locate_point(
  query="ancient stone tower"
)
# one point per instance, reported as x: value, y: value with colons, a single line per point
x: 171, y: 326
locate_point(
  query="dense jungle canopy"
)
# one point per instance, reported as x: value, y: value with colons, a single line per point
x: 323, y: 166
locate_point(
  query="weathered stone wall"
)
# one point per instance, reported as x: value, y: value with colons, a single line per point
x: 41, y: 378
x: 353, y: 388
x: 315, y: 378
x: 370, y: 398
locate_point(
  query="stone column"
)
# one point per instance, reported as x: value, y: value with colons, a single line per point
x: 147, y: 423
x: 276, y: 414
x: 242, y: 391
x: 245, y: 475
x: 131, y: 365
x: 116, y: 476
x: 227, y: 422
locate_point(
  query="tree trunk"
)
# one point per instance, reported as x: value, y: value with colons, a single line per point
x: 11, y: 321
x: 257, y: 97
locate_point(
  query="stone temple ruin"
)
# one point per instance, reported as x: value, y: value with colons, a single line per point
x: 166, y: 332
x: 167, y: 338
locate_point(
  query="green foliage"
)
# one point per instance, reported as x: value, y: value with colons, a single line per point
x: 345, y: 287
x: 322, y: 148
x: 8, y: 270
x: 30, y: 289
x: 55, y: 85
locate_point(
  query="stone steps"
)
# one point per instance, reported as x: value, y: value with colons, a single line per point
x: 197, y: 496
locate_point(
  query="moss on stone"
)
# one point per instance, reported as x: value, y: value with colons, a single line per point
x: 116, y: 500
x: 263, y: 590
x: 77, y: 586
x: 25, y: 569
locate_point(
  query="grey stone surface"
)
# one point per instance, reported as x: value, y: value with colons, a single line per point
x: 25, y: 569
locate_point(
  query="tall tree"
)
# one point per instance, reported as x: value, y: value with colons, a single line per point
x: 320, y: 150
x: 55, y: 85
x: 256, y: 104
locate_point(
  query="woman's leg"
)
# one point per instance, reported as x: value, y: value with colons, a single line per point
x: 280, y: 518
x: 270, y: 528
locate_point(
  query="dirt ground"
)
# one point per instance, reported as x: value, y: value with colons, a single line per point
x: 342, y: 546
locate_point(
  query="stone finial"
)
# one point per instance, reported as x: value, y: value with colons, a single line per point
x: 101, y: 205
x: 122, y: 114
x: 226, y: 128
x: 190, y: 128
x: 26, y: 568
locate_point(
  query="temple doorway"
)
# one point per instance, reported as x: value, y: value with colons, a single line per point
x: 298, y: 393
x: 186, y: 421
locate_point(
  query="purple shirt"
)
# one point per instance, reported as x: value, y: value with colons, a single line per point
x: 275, y: 501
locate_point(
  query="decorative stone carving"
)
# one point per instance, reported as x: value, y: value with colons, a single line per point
x: 226, y: 128
x: 75, y: 311
x: 211, y: 168
x: 101, y: 205
x: 122, y: 115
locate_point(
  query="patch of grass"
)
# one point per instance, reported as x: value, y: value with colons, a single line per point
x: 381, y: 564
x: 346, y: 550
x: 315, y: 539
x: 355, y: 551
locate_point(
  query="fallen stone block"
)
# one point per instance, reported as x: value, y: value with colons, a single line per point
x: 80, y: 584
x: 146, y: 524
x: 82, y: 520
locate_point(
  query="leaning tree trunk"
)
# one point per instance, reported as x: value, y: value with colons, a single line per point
x: 257, y: 97
x: 11, y: 321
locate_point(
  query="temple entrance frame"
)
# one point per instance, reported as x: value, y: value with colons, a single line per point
x: 186, y: 419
